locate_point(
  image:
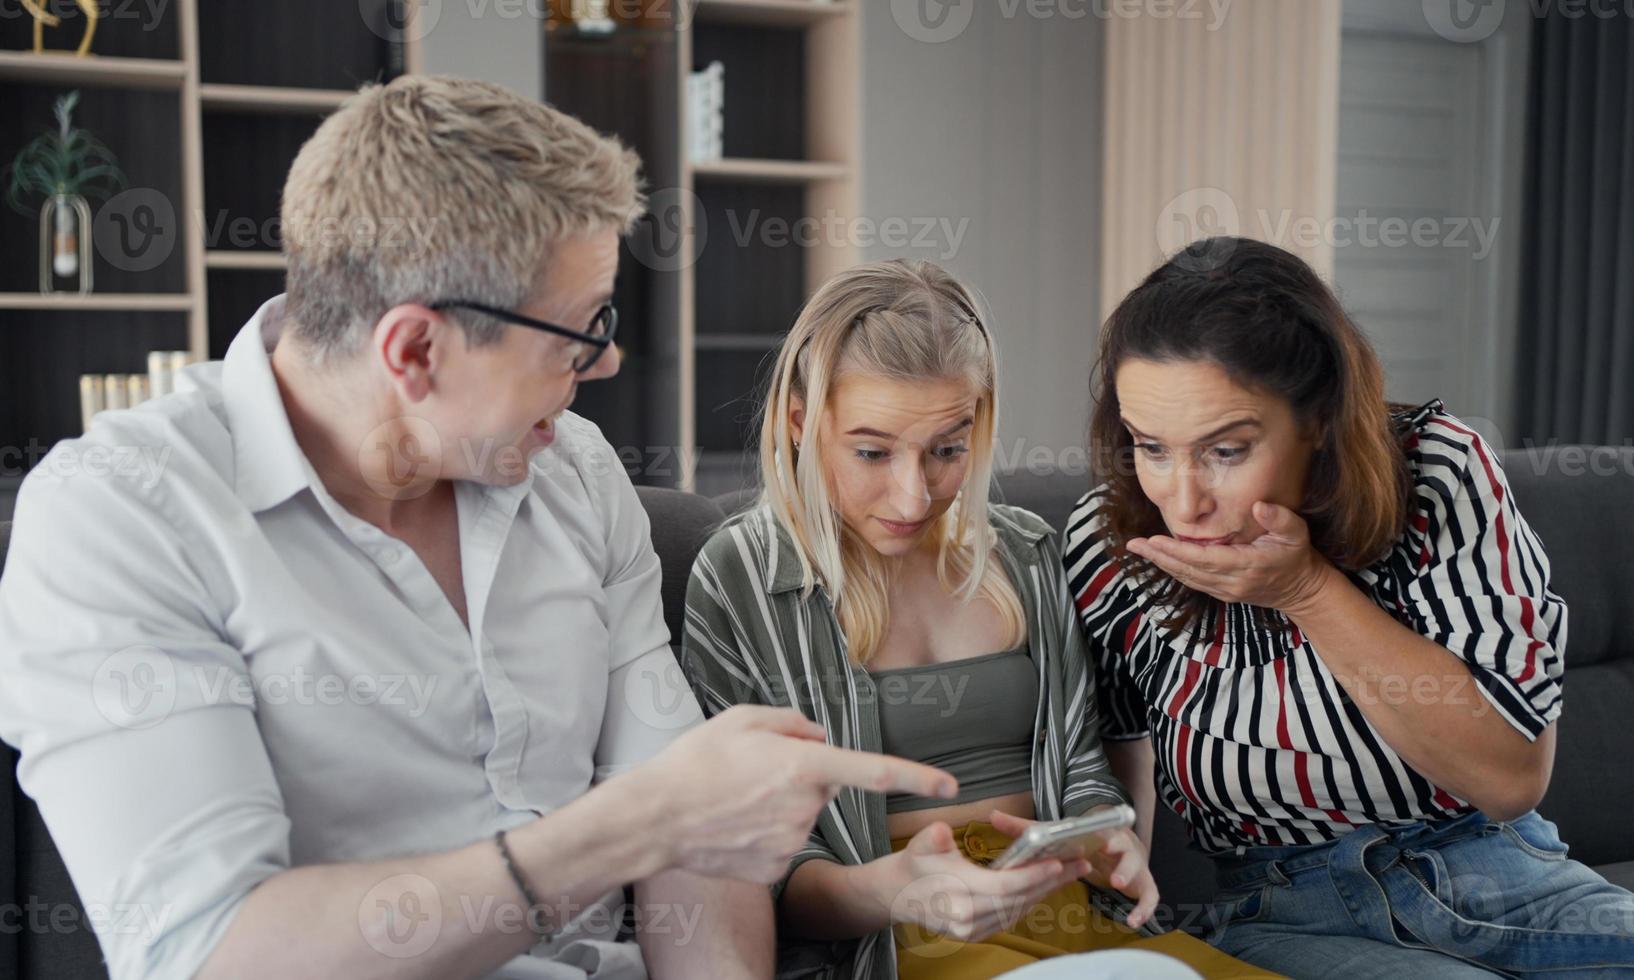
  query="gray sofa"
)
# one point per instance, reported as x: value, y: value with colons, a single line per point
x: 1579, y: 501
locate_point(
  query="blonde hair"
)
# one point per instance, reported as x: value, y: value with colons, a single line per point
x: 434, y: 188
x: 903, y: 321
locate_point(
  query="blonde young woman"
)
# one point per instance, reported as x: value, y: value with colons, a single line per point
x: 876, y: 589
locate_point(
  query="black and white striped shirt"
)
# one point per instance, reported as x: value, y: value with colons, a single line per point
x: 1255, y: 741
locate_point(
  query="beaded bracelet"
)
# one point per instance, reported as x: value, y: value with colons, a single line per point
x: 536, y: 923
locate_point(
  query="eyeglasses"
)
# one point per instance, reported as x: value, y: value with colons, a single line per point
x: 600, y: 336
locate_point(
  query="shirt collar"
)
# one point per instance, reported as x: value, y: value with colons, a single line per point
x: 268, y: 465
x: 783, y: 572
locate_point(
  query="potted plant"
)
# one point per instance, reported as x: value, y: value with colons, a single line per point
x: 62, y: 167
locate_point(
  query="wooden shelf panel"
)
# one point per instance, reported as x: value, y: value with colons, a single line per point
x: 770, y: 13
x: 176, y: 302
x: 271, y: 99
x: 771, y: 171
x: 52, y: 68
x: 224, y: 259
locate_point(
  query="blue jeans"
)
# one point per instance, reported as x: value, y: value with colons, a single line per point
x: 1468, y: 897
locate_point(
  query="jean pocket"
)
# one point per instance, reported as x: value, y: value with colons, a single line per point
x: 1536, y: 836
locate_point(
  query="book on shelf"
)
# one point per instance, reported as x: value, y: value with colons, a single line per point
x: 706, y: 107
x: 101, y: 392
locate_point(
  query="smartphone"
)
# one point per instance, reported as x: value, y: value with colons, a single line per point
x: 1068, y: 840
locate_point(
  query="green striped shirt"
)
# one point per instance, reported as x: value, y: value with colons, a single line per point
x: 750, y: 638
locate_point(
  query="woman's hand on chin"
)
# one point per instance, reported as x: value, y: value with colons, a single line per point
x: 1278, y: 570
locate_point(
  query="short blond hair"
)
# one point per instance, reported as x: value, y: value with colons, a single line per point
x: 438, y: 188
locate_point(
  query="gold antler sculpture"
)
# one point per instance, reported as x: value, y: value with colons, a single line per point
x: 44, y: 18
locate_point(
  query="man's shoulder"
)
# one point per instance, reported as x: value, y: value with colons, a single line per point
x: 580, y: 454
x: 140, y: 457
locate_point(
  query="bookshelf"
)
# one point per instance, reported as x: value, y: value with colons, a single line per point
x: 715, y: 315
x: 204, y: 107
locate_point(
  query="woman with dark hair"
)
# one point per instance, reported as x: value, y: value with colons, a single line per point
x: 1321, y: 621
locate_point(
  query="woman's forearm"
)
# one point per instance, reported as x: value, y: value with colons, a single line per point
x: 1134, y: 765
x: 1424, y: 702
x: 828, y: 900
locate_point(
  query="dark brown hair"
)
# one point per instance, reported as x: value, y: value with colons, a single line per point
x: 1265, y: 318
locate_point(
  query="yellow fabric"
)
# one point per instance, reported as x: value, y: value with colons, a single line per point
x: 1061, y: 923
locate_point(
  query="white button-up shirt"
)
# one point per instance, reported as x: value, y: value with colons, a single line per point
x: 214, y: 672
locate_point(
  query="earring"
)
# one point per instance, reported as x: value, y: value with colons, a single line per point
x: 797, y: 447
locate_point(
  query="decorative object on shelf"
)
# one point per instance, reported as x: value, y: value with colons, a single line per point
x: 163, y: 366
x: 62, y: 167
x: 44, y: 18
x: 706, y: 107
x: 100, y: 392
x: 591, y: 18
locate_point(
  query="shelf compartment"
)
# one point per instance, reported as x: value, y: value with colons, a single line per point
x: 41, y: 405
x: 751, y: 272
x: 730, y: 386
x: 235, y: 295
x: 246, y: 158
x: 143, y: 127
x: 764, y: 116
x: 342, y: 45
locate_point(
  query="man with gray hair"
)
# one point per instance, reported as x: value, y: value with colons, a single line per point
x: 373, y: 678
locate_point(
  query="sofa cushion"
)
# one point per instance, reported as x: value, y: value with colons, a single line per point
x: 681, y: 523
x: 1576, y: 498
x: 1621, y: 875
